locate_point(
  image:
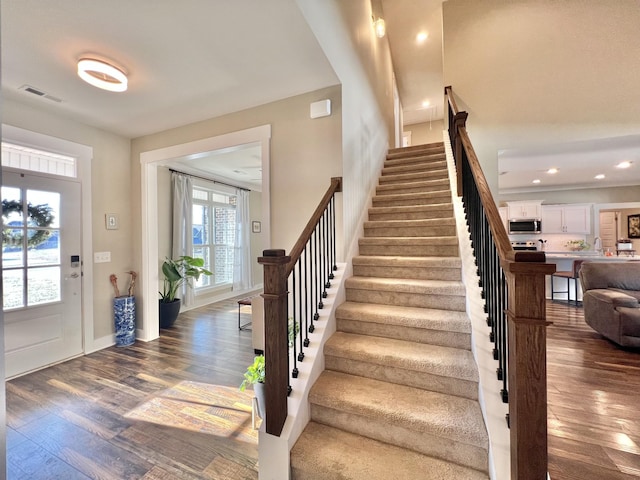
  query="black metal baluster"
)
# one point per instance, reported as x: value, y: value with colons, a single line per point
x: 314, y: 276
x: 327, y: 249
x: 308, y: 318
x: 333, y: 234
x: 294, y: 372
x: 299, y: 324
x: 323, y: 255
x: 320, y: 270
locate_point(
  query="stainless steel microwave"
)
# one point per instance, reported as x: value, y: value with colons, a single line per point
x: 525, y: 225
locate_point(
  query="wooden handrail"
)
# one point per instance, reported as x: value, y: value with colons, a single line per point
x: 298, y: 247
x: 524, y: 274
x: 277, y: 268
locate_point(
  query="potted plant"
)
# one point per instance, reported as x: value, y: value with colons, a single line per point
x: 177, y: 272
x: 255, y: 376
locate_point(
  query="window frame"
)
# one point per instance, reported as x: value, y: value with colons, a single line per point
x: 210, y: 205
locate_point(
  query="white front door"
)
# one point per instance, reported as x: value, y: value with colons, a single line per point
x: 41, y: 271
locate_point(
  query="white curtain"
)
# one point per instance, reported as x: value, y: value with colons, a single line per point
x: 242, y: 247
x: 182, y: 220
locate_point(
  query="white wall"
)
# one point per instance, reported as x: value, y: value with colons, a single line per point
x: 363, y: 64
x: 257, y: 240
x: 534, y: 72
x: 110, y: 194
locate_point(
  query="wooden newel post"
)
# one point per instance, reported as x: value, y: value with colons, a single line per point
x: 276, y: 351
x: 527, y: 380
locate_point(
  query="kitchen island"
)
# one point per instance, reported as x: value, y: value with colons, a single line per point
x: 564, y: 262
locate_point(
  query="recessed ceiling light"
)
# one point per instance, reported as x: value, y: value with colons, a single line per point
x: 421, y: 37
x: 623, y: 165
x: 102, y: 75
x: 552, y: 171
x: 426, y: 104
x: 599, y: 176
x: 537, y: 180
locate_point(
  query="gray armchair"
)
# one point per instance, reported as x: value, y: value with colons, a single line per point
x: 611, y: 300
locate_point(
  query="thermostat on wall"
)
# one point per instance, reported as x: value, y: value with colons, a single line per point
x: 321, y: 109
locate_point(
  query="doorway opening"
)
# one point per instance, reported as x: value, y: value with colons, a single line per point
x: 152, y: 163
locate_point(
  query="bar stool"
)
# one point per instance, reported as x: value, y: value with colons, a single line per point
x: 569, y: 275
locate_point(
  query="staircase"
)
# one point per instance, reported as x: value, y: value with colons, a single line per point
x: 398, y: 398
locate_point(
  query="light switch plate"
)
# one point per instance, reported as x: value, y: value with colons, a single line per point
x: 101, y: 257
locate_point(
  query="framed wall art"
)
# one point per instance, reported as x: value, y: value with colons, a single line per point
x: 634, y: 226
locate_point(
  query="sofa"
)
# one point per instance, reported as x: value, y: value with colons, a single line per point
x: 611, y: 300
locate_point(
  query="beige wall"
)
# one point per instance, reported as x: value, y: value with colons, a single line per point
x: 534, y: 72
x: 111, y: 193
x: 305, y: 153
x: 423, y: 133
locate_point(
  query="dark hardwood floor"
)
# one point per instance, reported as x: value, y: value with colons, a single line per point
x: 167, y: 409
x: 593, y: 401
x: 170, y: 409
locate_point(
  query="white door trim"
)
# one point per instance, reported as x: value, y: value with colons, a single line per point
x: 150, y: 161
x: 84, y: 155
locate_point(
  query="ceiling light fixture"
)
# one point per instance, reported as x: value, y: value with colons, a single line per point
x: 600, y: 176
x: 552, y: 170
x: 623, y: 165
x: 102, y: 75
x: 422, y: 37
x: 537, y: 180
x: 426, y: 104
x: 379, y: 27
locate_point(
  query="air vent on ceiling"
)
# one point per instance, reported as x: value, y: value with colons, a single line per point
x: 39, y: 93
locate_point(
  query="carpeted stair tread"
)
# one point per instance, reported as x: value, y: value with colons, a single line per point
x: 411, y: 228
x: 414, y: 167
x: 432, y: 319
x: 413, y: 177
x: 427, y: 222
x: 408, y: 262
x: 418, y: 246
x: 326, y: 453
x: 411, y: 212
x: 445, y: 416
x: 436, y: 184
x: 428, y: 157
x: 416, y: 148
x: 430, y: 325
x: 412, y: 198
x: 412, y: 356
x: 407, y: 285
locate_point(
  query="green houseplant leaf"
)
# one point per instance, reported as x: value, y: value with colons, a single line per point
x: 254, y: 373
x: 179, y: 271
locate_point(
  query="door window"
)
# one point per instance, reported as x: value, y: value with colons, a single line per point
x: 31, y: 268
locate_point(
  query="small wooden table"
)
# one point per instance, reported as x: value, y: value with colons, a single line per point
x: 241, y: 303
x: 627, y: 251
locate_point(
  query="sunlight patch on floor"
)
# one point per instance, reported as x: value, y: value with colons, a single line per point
x: 201, y: 407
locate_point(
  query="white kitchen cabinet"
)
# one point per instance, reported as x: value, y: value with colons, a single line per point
x: 566, y: 219
x: 524, y: 209
x: 504, y: 216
